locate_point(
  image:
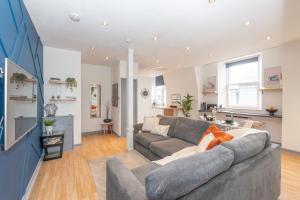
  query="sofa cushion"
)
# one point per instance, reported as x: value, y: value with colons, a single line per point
x: 190, y: 130
x: 168, y: 147
x: 182, y: 176
x: 247, y: 146
x: 146, y: 138
x: 161, y: 130
x: 143, y: 171
x: 150, y: 123
x: 171, y: 121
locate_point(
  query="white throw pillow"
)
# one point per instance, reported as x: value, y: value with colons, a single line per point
x: 241, y: 132
x: 161, y: 130
x: 150, y: 123
x: 205, y: 141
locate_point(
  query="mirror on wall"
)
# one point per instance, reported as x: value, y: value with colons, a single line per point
x: 95, y: 100
x: 20, y: 103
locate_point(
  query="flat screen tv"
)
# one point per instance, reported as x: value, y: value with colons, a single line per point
x: 20, y: 101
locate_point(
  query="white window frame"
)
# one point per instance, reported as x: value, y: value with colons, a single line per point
x: 259, y: 96
x: 155, y: 95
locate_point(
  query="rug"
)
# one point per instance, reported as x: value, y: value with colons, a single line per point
x: 131, y: 159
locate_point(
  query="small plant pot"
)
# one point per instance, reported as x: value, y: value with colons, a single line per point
x: 107, y: 120
x: 49, y: 130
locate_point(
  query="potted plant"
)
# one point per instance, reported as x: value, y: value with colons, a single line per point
x: 18, y: 78
x: 49, y: 123
x: 107, y: 109
x: 186, y: 105
x: 71, y: 83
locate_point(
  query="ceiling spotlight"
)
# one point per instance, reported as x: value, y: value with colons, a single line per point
x: 211, y: 1
x: 104, y: 23
x: 74, y: 17
x: 93, y: 48
x: 155, y: 38
x: 247, y: 23
x: 188, y: 48
x: 106, y: 58
x: 268, y: 37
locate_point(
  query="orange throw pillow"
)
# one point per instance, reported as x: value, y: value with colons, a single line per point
x: 220, y: 136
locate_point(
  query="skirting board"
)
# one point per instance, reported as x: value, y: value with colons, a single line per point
x: 33, y: 179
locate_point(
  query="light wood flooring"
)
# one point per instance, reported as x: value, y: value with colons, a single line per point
x: 69, y: 178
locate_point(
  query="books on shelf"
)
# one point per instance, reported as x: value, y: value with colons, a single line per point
x: 53, y: 140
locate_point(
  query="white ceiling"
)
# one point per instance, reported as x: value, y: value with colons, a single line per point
x: 212, y: 31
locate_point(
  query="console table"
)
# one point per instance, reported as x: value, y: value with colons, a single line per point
x: 107, y: 127
x: 53, y: 145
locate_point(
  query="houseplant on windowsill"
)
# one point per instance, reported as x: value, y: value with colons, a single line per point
x: 49, y: 123
x: 186, y: 105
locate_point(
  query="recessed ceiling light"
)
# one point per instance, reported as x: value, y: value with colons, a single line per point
x: 106, y: 58
x: 211, y: 1
x: 188, y: 48
x: 247, y: 23
x: 93, y: 48
x: 268, y: 37
x: 74, y: 17
x: 155, y: 38
x: 104, y: 23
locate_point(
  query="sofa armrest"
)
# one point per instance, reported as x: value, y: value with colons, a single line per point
x: 121, y: 183
x: 137, y: 128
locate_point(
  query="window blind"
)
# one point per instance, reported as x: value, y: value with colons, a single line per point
x: 159, y: 80
x: 242, y: 62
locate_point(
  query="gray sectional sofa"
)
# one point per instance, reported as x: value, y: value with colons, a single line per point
x: 246, y: 168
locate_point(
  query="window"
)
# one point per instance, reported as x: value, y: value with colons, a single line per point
x: 243, y: 83
x: 159, y: 91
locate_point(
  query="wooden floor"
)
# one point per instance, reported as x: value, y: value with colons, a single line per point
x: 70, y: 179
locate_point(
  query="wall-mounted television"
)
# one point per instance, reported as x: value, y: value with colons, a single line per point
x: 20, y: 101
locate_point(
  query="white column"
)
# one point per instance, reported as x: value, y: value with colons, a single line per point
x: 129, y: 128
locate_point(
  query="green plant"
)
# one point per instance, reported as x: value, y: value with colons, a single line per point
x: 49, y: 122
x: 71, y: 83
x: 18, y: 78
x: 186, y: 105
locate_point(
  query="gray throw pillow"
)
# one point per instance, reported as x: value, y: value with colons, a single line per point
x: 190, y: 130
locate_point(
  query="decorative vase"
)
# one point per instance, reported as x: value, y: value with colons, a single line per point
x: 49, y: 130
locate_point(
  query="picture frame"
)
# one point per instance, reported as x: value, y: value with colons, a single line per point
x: 176, y: 97
x: 273, y: 77
x: 115, y: 94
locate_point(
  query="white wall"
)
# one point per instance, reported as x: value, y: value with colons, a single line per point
x: 60, y: 63
x: 291, y: 96
x: 182, y: 81
x: 93, y: 74
x: 145, y: 104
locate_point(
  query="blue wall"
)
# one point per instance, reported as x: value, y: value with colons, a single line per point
x: 20, y: 42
